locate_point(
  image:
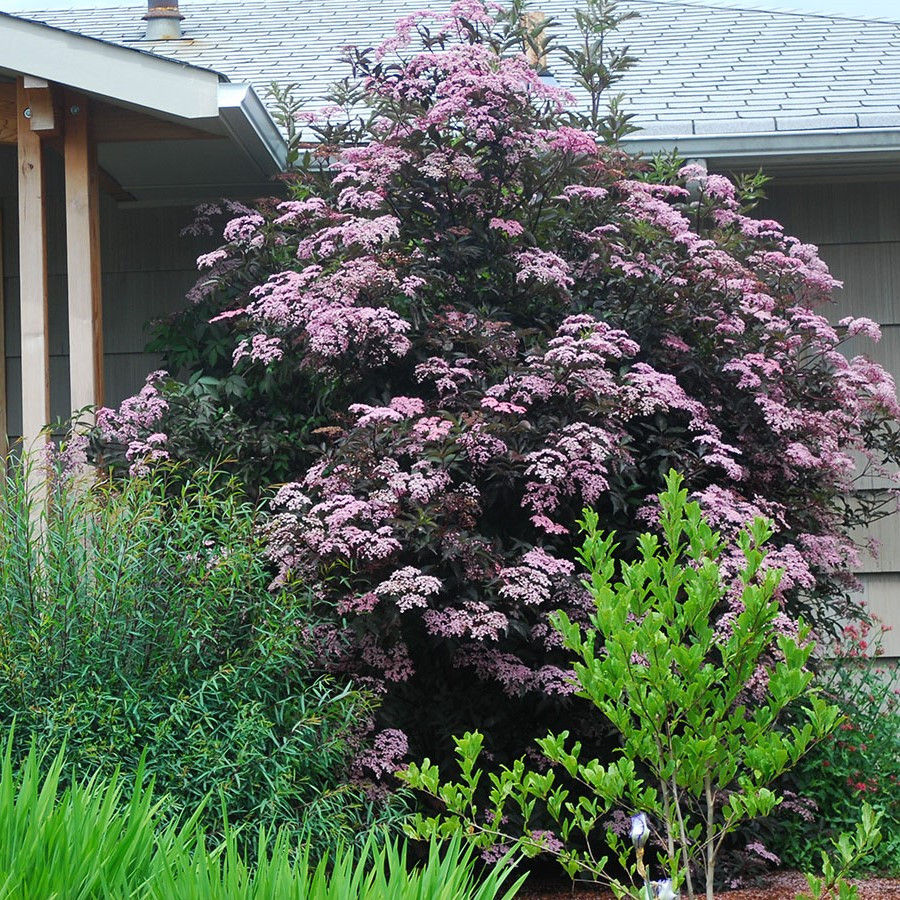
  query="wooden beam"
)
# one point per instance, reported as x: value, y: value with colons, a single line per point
x: 116, y: 123
x: 42, y: 110
x: 83, y: 256
x: 110, y: 123
x: 112, y: 188
x: 32, y: 278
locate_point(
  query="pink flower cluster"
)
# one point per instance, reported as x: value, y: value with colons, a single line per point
x: 259, y: 348
x: 515, y: 677
x: 532, y: 581
x: 409, y: 587
x: 384, y: 756
x: 397, y: 410
x: 245, y: 230
x: 135, y: 424
x: 67, y: 459
x: 544, y: 267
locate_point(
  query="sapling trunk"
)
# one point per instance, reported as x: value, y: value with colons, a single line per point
x: 710, y: 837
x: 667, y: 812
x: 682, y: 831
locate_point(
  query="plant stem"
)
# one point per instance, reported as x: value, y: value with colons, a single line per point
x: 685, y: 857
x: 710, y: 836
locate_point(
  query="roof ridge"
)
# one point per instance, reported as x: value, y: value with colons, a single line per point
x: 107, y: 6
x: 750, y: 6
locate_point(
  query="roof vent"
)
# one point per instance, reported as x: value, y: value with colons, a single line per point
x: 163, y: 20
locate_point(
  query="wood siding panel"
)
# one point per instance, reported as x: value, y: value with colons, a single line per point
x: 9, y: 209
x: 126, y: 374
x: 871, y: 276
x: 858, y: 229
x: 149, y: 238
x: 133, y: 299
x: 881, y: 595
x: 887, y: 533
x: 59, y: 391
x: 59, y: 321
x: 887, y: 354
x: 836, y: 213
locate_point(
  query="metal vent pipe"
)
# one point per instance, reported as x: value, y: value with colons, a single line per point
x: 163, y: 20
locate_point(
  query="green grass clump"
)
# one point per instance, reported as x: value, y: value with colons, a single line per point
x: 87, y: 840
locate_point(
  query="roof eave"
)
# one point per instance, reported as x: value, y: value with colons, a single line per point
x: 771, y: 145
x: 161, y: 87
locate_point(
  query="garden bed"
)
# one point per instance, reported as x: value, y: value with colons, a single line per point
x: 779, y: 886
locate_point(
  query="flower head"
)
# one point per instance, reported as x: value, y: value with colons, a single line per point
x: 640, y: 830
x: 663, y: 890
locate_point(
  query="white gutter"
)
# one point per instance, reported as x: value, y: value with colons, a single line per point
x: 107, y: 70
x: 250, y: 125
x: 758, y: 145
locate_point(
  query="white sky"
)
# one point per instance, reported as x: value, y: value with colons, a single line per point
x: 877, y: 9
x: 886, y: 9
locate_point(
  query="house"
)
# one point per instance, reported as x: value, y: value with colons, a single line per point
x: 113, y: 122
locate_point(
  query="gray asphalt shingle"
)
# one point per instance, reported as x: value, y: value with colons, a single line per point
x: 701, y: 69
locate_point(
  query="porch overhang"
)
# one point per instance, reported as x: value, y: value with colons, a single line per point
x: 153, y: 115
x: 135, y: 125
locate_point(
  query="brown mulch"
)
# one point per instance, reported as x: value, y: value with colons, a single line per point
x: 779, y: 886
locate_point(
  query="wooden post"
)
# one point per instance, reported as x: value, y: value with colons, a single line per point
x: 83, y: 256
x: 32, y: 276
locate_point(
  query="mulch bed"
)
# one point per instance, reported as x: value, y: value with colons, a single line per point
x: 779, y: 886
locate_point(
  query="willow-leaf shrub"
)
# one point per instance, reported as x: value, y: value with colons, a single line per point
x: 699, y: 712
x: 92, y: 838
x: 135, y: 617
x: 471, y: 323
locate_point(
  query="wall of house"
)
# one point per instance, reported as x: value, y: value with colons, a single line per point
x: 857, y: 228
x: 147, y: 269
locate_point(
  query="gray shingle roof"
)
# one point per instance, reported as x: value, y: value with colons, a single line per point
x: 702, y: 69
